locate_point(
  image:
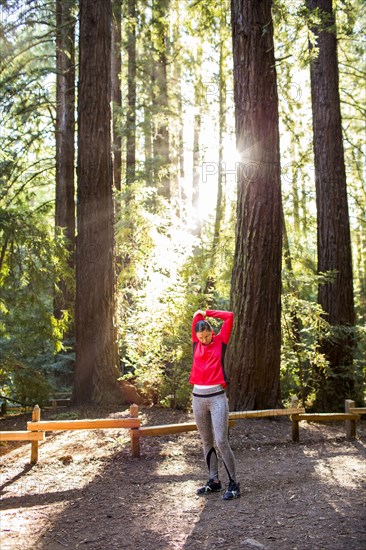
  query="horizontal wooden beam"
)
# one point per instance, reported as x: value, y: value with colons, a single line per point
x: 266, y: 412
x: 357, y: 410
x: 325, y: 417
x: 101, y: 423
x: 169, y: 429
x: 166, y: 429
x: 22, y: 436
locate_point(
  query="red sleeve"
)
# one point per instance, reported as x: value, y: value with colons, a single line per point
x: 196, y: 318
x: 228, y: 318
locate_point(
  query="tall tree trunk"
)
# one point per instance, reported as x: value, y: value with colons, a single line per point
x: 178, y: 68
x: 160, y: 21
x: 65, y: 129
x: 220, y: 199
x: 178, y: 191
x: 196, y: 144
x: 146, y: 74
x: 131, y: 109
x: 148, y: 149
x: 96, y: 349
x: 334, y: 241
x: 116, y: 93
x: 253, y: 358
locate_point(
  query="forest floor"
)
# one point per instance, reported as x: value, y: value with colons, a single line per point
x: 87, y: 492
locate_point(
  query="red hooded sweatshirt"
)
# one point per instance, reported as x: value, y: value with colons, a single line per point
x: 208, y: 360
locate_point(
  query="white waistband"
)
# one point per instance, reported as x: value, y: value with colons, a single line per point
x: 212, y: 387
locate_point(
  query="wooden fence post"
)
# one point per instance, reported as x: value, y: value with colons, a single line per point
x: 295, y: 428
x: 350, y: 424
x: 36, y: 417
x: 134, y: 435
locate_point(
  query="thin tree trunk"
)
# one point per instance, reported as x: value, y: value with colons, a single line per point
x: 160, y: 98
x: 116, y: 94
x: 253, y: 358
x: 178, y: 66
x: 96, y: 368
x: 147, y: 76
x: 196, y: 144
x: 178, y: 191
x: 334, y: 240
x: 220, y: 199
x: 148, y: 145
x: 65, y: 129
x: 131, y: 109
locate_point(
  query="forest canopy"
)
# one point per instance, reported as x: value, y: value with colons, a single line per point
x: 149, y: 168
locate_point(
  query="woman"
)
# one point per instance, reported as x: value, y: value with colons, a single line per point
x: 210, y: 405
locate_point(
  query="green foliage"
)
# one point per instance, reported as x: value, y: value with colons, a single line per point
x: 359, y: 361
x: 304, y: 369
x: 33, y: 256
x: 160, y: 288
x: 33, y: 261
x: 302, y: 324
x: 154, y: 348
x: 26, y: 384
x: 347, y: 380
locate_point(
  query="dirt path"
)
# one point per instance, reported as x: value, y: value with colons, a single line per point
x: 87, y: 491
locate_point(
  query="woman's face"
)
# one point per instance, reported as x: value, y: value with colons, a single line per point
x: 205, y: 337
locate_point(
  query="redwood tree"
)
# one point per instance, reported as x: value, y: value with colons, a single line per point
x: 253, y: 359
x: 96, y: 348
x: 334, y: 241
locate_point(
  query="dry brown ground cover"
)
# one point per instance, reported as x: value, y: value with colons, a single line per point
x: 87, y: 492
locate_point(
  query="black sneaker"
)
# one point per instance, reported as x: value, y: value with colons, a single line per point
x: 233, y: 491
x: 212, y: 486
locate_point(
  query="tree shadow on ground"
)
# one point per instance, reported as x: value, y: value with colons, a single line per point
x: 299, y: 496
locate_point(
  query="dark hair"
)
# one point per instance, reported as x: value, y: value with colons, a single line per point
x: 200, y: 326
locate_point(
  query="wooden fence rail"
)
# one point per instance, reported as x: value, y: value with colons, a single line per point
x: 144, y: 431
x: 22, y: 436
x: 95, y: 424
x: 265, y: 413
x: 36, y: 428
x: 350, y: 417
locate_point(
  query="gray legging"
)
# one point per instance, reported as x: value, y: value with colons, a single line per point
x: 211, y: 415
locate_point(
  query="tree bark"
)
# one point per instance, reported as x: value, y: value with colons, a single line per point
x: 65, y: 129
x: 131, y: 109
x: 96, y: 348
x: 160, y: 21
x: 333, y: 234
x: 253, y: 358
x: 117, y: 93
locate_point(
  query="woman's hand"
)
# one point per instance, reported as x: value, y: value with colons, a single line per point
x: 200, y: 312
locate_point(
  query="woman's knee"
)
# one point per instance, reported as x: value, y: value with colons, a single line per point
x: 223, y: 444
